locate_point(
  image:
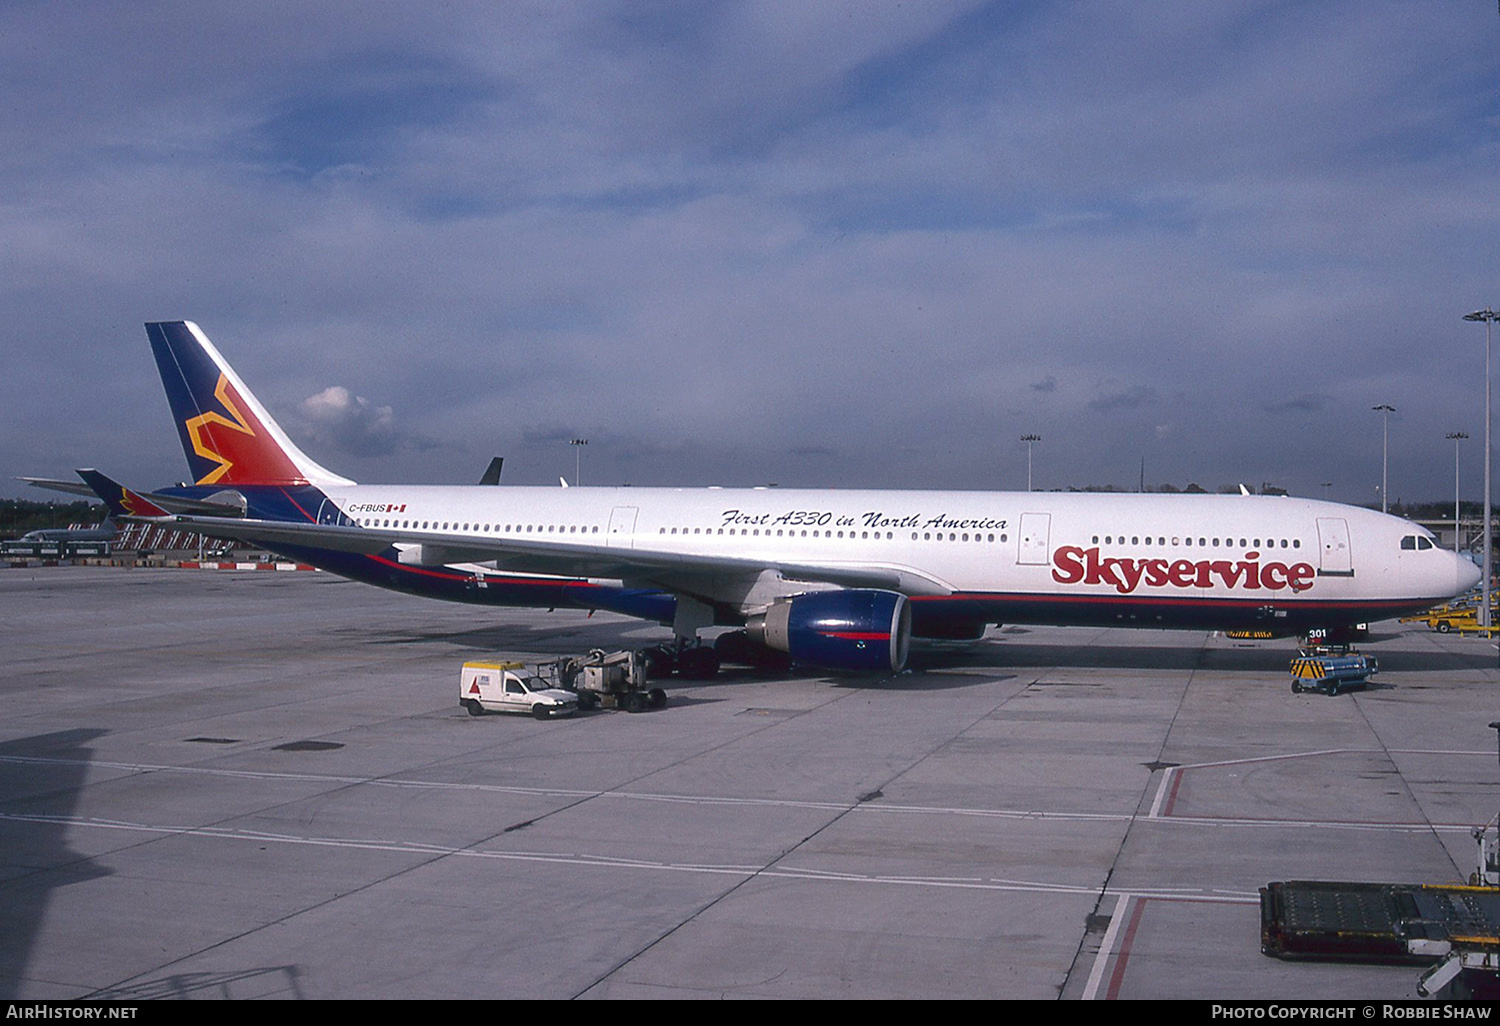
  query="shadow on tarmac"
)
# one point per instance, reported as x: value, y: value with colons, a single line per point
x: 40, y: 780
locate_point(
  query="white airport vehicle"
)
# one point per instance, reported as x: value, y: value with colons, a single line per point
x: 486, y: 686
x: 835, y: 579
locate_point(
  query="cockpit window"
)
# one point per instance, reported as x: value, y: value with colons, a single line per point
x: 1416, y: 541
x: 1409, y: 542
x: 1423, y: 543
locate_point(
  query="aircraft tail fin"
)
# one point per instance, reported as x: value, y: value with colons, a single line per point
x: 122, y: 502
x: 227, y: 435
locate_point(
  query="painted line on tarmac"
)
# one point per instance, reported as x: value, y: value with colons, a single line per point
x: 591, y: 860
x: 1161, y: 811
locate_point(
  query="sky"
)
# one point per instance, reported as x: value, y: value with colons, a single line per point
x: 816, y: 244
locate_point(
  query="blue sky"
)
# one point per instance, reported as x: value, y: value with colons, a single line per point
x: 848, y: 244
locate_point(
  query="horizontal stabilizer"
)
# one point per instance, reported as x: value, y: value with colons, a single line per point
x: 52, y: 484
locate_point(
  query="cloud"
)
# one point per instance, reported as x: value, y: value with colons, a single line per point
x: 1129, y: 399
x: 353, y: 425
x: 771, y: 229
x: 1309, y: 402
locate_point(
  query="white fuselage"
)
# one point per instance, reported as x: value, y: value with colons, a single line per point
x: 1171, y: 547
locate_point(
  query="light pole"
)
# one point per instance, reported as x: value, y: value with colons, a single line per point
x: 1386, y: 409
x: 1488, y: 316
x: 1028, y: 439
x: 1457, y: 436
x: 578, y: 444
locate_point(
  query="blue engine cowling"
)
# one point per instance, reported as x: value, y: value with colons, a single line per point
x: 860, y: 631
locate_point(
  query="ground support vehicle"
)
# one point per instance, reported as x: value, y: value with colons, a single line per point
x: 614, y: 680
x: 1321, y: 669
x: 1454, y: 616
x: 1453, y: 929
x: 486, y: 686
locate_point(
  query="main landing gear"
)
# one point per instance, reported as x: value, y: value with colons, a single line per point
x: 690, y: 660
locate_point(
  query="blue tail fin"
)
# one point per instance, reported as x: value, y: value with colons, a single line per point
x: 122, y: 502
x: 226, y: 433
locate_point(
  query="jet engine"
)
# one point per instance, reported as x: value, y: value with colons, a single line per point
x: 860, y: 631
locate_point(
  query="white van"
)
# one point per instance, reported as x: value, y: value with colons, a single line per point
x: 508, y: 687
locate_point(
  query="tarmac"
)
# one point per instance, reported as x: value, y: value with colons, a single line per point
x: 243, y: 785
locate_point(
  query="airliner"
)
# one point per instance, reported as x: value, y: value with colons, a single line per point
x: 105, y: 531
x: 833, y: 579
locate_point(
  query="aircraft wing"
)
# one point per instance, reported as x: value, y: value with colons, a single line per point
x: 670, y: 570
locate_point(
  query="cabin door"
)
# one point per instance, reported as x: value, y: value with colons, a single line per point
x: 1036, y: 529
x: 1333, y: 544
x: 622, y: 526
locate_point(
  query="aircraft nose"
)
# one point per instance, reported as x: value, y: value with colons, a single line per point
x: 1465, y: 574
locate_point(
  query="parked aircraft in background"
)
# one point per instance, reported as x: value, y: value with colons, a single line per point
x: 836, y: 579
x: 105, y: 531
